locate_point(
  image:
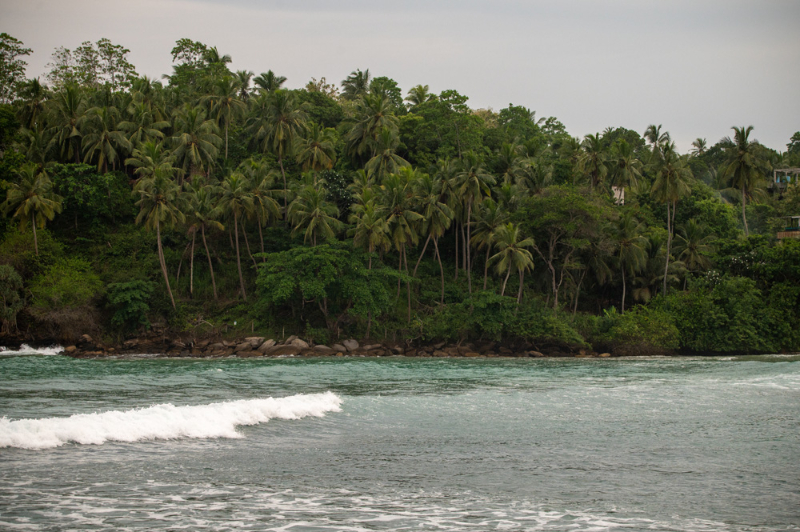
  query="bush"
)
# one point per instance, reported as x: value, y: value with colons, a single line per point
x: 69, y: 282
x: 129, y: 301
x: 10, y: 288
x: 641, y: 330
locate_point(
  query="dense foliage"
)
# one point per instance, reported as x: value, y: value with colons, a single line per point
x: 222, y: 199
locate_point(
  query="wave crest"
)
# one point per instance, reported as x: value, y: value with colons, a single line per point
x: 25, y: 349
x: 162, y: 422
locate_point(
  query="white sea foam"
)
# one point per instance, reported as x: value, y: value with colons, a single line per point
x: 162, y: 422
x: 25, y: 349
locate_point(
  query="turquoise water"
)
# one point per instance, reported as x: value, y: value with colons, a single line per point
x: 400, y: 444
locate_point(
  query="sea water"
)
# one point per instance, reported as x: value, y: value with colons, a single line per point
x: 695, y: 444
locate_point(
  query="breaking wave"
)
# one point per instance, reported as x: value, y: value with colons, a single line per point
x: 25, y: 349
x: 162, y: 422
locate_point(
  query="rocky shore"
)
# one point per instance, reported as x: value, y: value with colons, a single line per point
x: 257, y: 346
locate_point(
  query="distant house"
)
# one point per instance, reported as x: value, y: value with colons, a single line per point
x: 782, y: 178
x: 792, y: 229
x: 619, y: 194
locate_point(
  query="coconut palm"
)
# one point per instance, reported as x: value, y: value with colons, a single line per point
x: 370, y: 230
x: 161, y: 204
x: 313, y: 215
x: 224, y: 104
x: 473, y: 182
x: 625, y: 168
x: 265, y: 208
x: 489, y: 218
x: 236, y: 201
x: 744, y: 168
x: 631, y: 254
x: 278, y: 123
x: 32, y: 200
x: 269, y: 81
x: 202, y: 216
x: 104, y: 138
x: 419, y: 95
x: 593, y: 160
x: 316, y: 151
x: 693, y: 244
x: 195, y: 142
x: 512, y: 255
x: 373, y: 114
x: 655, y: 137
x: 243, y: 79
x: 34, y: 104
x: 385, y: 161
x: 148, y: 158
x: 699, y: 147
x: 436, y: 216
x: 66, y: 112
x: 142, y: 124
x: 355, y: 85
x: 673, y: 182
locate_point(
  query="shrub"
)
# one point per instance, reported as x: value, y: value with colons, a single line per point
x: 69, y: 282
x: 10, y: 287
x: 129, y: 301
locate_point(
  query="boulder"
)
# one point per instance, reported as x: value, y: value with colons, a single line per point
x: 255, y: 341
x: 248, y: 354
x: 85, y: 339
x: 350, y: 345
x: 219, y: 346
x: 536, y: 354
x: 397, y: 350
x: 452, y: 351
x: 410, y: 352
x: 371, y: 347
x: 376, y: 352
x: 471, y: 354
x: 289, y: 340
x: 266, y: 345
x: 297, y: 342
x: 70, y: 349
x: 202, y: 343
x: 244, y: 346
x: 323, y: 350
x: 283, y: 351
x: 338, y: 347
x: 439, y: 353
x: 605, y: 355
x: 439, y: 345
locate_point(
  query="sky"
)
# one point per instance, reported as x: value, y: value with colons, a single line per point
x: 698, y: 67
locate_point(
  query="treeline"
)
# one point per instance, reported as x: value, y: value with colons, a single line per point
x: 219, y: 197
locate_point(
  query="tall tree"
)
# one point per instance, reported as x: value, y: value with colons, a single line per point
x: 236, y: 201
x: 316, y: 151
x: 195, y: 142
x: 631, y: 254
x: 32, y: 200
x: 512, y: 255
x: 12, y: 67
x: 224, y: 104
x: 490, y: 217
x: 104, y: 138
x: 312, y: 215
x: 203, y: 216
x: 269, y: 81
x: 161, y: 204
x: 745, y: 168
x: 355, y: 85
x: 66, y: 113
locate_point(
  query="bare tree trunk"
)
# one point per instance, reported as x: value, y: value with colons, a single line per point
x: 35, y: 238
x: 503, y: 291
x: 744, y: 214
x: 441, y: 268
x: 163, y: 263
x: 623, y: 290
x: 464, y: 250
x: 210, y: 266
x: 521, y: 279
x: 669, y: 246
x: 399, y: 270
x: 486, y: 266
x: 191, y: 267
x: 247, y: 244
x: 455, y: 232
x: 421, y: 255
x: 408, y: 284
x: 261, y: 237
x: 285, y: 190
x: 238, y: 259
x: 469, y: 248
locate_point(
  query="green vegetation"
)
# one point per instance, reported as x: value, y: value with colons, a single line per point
x: 221, y: 200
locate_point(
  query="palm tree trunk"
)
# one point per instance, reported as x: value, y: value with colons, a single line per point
x: 408, y: 284
x: 744, y: 215
x: 521, y: 279
x: 455, y: 231
x: 35, y: 239
x: 503, y: 291
x: 464, y: 250
x: 191, y: 267
x: 486, y: 266
x: 261, y: 237
x: 669, y: 246
x: 421, y: 255
x: 399, y: 270
x: 238, y: 259
x: 163, y: 263
x: 226, y: 141
x: 623, y: 290
x: 369, y: 314
x: 247, y: 244
x: 210, y: 266
x: 285, y: 190
x: 441, y: 268
x: 468, y: 246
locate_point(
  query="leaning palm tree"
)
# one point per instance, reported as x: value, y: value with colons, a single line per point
x: 277, y: 124
x: 631, y: 254
x: 419, y: 95
x: 314, y: 216
x: 316, y: 151
x: 626, y: 169
x: 744, y: 168
x: 265, y: 208
x: 512, y: 255
x: 236, y: 201
x: 673, y: 182
x: 699, y: 147
x: 32, y: 200
x: 161, y: 204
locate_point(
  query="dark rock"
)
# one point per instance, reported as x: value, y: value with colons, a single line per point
x: 266, y: 345
x: 371, y: 347
x: 438, y: 353
x: 439, y: 345
x: 289, y: 340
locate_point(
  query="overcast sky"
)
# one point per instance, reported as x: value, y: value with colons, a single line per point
x: 697, y: 67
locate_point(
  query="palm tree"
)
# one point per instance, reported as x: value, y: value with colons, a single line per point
x: 593, y: 159
x: 626, y: 169
x: 224, y: 103
x: 744, y: 167
x: 142, y: 124
x: 512, y: 255
x: 160, y: 203
x: 386, y: 161
x: 313, y: 215
x: 419, y: 95
x: 316, y: 151
x: 34, y: 105
x: 265, y: 207
x: 203, y: 216
x: 373, y: 114
x: 673, y: 182
x: 473, y: 182
x: 32, y: 200
x: 276, y: 127
x: 148, y: 158
x: 490, y: 217
x: 236, y: 201
x: 269, y: 81
x: 370, y: 230
x: 66, y: 112
x: 243, y: 78
x: 693, y: 245
x: 655, y: 137
x: 355, y: 85
x: 436, y: 217
x: 631, y: 255
x: 195, y: 142
x: 104, y: 137
x: 699, y: 147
